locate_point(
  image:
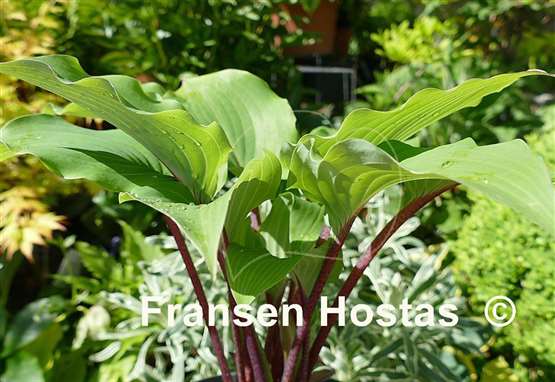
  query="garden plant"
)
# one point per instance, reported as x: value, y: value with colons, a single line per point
x: 267, y: 210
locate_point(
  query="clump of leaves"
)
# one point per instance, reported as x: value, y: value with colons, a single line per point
x: 426, y: 42
x: 176, y: 151
x: 110, y: 330
x: 106, y: 272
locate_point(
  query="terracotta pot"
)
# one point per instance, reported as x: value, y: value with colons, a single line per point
x: 323, y: 21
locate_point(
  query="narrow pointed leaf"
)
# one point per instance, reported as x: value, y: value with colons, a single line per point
x: 202, y: 224
x: 420, y: 111
x: 258, y: 182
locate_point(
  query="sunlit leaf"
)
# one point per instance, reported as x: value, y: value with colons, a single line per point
x: 245, y: 267
x: 420, y: 111
x: 111, y: 158
x: 258, y: 182
x: 203, y: 224
x: 290, y: 232
x: 253, y: 117
x: 354, y: 170
x: 292, y: 226
x: 195, y: 154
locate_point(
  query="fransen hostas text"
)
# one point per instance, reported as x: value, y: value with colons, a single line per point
x: 385, y: 315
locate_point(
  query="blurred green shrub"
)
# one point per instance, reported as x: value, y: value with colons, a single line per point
x: 166, y: 38
x: 428, y: 40
x: 511, y: 33
x: 498, y: 253
x: 32, y: 340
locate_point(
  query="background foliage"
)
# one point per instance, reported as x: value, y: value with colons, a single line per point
x: 85, y: 283
x: 522, y: 267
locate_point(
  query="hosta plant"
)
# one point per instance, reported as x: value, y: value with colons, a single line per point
x: 267, y: 210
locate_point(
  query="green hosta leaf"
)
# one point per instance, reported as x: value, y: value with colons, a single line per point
x: 401, y: 150
x: 111, y: 158
x: 292, y: 226
x: 289, y: 232
x: 138, y: 96
x: 253, y: 271
x: 195, y: 154
x: 351, y: 172
x: 203, y: 224
x: 417, y: 188
x: 420, y: 111
x: 253, y: 117
x: 509, y: 173
x: 258, y: 182
x: 354, y: 170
